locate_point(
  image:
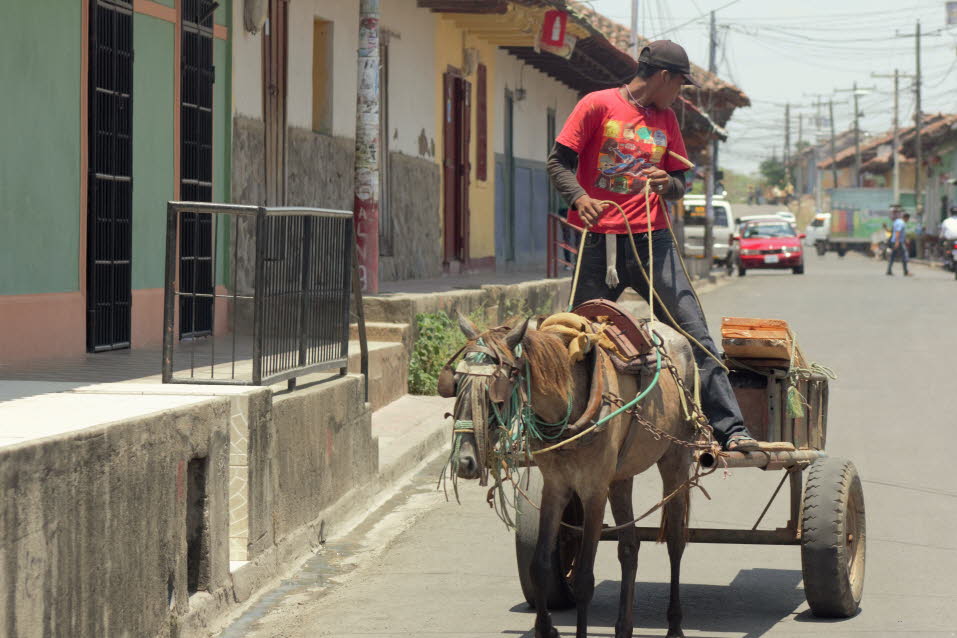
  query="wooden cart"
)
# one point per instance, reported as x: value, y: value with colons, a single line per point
x: 826, y: 511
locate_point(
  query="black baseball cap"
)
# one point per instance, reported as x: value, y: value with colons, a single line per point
x: 668, y: 55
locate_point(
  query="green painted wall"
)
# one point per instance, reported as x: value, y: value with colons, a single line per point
x: 153, y: 110
x: 40, y: 148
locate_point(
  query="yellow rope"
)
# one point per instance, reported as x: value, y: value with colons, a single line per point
x: 653, y: 293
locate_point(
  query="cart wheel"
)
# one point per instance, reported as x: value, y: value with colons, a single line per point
x: 833, y: 538
x: 560, y: 593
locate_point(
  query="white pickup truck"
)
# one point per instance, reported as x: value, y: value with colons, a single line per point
x: 819, y: 232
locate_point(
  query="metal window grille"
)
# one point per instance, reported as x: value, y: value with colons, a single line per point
x: 290, y: 276
x: 196, y: 167
x: 110, y: 179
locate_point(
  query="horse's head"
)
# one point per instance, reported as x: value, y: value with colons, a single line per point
x: 483, y: 384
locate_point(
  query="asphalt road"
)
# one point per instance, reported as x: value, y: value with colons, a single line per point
x: 430, y: 567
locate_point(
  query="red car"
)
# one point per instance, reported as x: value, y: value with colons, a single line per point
x: 768, y: 242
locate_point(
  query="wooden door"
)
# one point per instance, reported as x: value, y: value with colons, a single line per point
x: 457, y: 109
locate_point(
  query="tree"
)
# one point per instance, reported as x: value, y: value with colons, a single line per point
x: 772, y: 169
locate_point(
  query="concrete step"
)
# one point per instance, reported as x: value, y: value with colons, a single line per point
x: 383, y: 331
x: 388, y: 371
x: 410, y: 430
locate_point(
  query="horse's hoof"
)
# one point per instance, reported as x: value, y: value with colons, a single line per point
x: 675, y: 633
x: 551, y: 632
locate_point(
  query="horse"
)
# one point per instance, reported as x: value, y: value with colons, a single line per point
x: 601, y: 468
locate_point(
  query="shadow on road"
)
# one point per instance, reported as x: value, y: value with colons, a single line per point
x: 754, y: 602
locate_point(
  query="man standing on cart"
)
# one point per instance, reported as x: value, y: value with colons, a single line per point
x: 613, y: 143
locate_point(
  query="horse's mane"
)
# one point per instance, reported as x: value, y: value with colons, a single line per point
x: 547, y: 360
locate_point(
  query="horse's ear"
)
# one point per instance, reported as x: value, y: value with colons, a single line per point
x: 516, y: 334
x: 467, y: 327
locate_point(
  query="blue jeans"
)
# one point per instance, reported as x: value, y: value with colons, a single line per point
x: 674, y: 289
x: 902, y: 249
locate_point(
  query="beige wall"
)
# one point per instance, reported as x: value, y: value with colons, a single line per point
x: 247, y: 68
x: 412, y: 84
x: 344, y: 14
x: 541, y: 93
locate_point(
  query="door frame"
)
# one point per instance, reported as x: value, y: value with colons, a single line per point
x: 456, y: 166
x: 508, y: 128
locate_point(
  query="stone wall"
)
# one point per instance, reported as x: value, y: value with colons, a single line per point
x: 320, y: 174
x: 415, y: 196
x: 320, y: 170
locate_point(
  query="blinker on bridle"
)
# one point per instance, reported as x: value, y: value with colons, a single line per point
x: 502, y: 377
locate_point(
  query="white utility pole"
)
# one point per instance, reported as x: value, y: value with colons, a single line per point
x: 713, y: 161
x: 897, y: 75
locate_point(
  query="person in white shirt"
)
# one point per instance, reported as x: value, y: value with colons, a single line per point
x: 948, y: 228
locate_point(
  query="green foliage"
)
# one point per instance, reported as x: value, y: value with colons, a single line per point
x: 438, y: 339
x: 773, y: 171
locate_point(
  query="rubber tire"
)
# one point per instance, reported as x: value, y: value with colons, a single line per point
x: 560, y: 593
x: 832, y: 484
x: 798, y: 270
x: 821, y: 249
x: 742, y: 271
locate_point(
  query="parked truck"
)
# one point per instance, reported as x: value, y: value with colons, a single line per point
x: 859, y: 217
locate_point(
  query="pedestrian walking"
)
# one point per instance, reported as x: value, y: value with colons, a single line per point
x: 614, y: 143
x: 899, y: 243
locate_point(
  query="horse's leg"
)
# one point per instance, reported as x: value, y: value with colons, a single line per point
x: 594, y: 508
x: 554, y: 500
x: 623, y: 510
x: 674, y: 471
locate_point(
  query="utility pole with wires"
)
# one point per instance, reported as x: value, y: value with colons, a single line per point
x: 918, y: 122
x: 856, y: 93
x: 830, y: 114
x: 896, y: 146
x: 634, y: 29
x: 787, y: 141
x: 918, y: 119
x: 712, y: 170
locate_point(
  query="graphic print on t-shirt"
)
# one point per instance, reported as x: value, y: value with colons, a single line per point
x: 625, y: 152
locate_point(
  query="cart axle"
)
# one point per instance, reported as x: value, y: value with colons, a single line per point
x: 780, y: 536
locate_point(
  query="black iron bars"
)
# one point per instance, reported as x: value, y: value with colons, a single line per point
x: 294, y: 266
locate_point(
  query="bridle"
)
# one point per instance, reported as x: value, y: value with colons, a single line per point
x: 484, y: 376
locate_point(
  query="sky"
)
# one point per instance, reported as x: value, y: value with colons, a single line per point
x: 796, y: 52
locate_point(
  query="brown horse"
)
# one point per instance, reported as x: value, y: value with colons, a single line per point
x: 598, y: 468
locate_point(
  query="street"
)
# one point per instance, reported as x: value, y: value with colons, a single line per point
x: 425, y: 566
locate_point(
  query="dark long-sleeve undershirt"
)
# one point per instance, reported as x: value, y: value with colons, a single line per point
x: 562, y: 164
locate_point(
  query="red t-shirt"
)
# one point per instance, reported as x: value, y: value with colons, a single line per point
x: 615, y: 141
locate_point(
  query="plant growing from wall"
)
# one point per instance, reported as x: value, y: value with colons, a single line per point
x: 438, y: 339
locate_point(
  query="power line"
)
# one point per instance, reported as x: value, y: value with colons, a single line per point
x: 684, y: 24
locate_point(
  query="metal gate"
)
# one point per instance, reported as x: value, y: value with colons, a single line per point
x: 110, y: 199
x: 196, y: 168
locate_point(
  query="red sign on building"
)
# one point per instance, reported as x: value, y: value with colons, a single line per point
x: 553, y: 30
